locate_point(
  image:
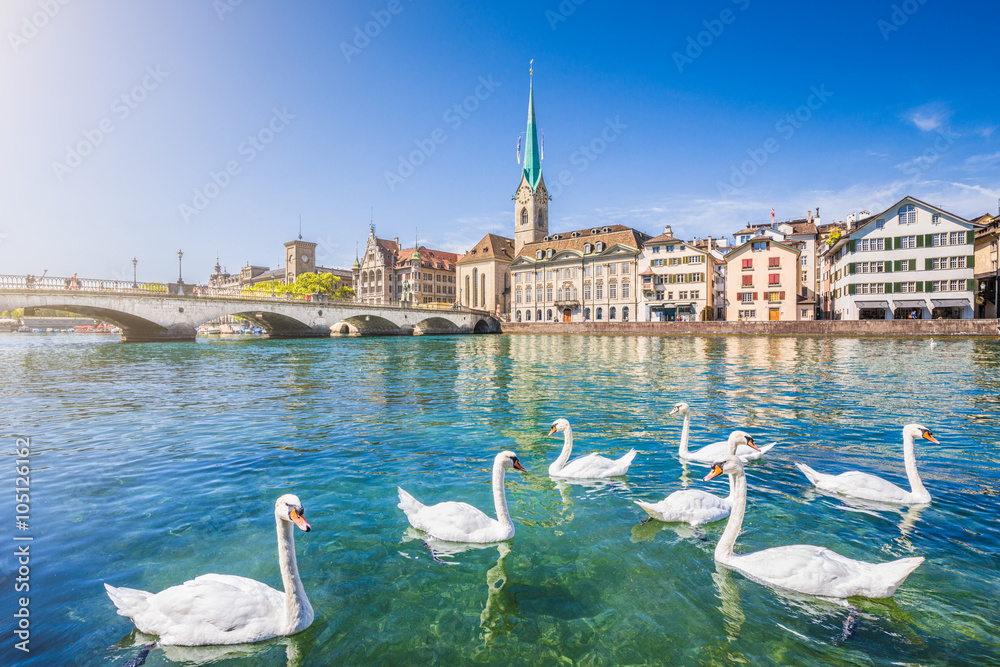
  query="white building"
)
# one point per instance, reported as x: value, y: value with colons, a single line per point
x: 912, y: 261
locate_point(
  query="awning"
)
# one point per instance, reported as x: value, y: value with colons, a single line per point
x: 871, y: 304
x: 909, y: 303
x: 944, y: 303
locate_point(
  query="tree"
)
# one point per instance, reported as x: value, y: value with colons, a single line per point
x: 306, y: 283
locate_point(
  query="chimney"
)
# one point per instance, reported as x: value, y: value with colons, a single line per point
x: 809, y: 216
x: 396, y: 241
x: 710, y: 244
x: 668, y: 231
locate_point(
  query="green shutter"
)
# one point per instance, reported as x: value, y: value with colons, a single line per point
x: 920, y: 286
x: 913, y: 265
x: 970, y: 236
x: 928, y: 264
x: 928, y: 240
x: 851, y: 267
x: 897, y: 265
x: 920, y: 240
x: 896, y: 287
x: 851, y: 245
x: 899, y: 242
x: 887, y: 265
x: 970, y: 285
x: 850, y: 288
x: 888, y: 288
x: 970, y: 262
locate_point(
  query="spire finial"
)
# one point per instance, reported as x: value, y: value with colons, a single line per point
x: 531, y: 67
x: 300, y: 226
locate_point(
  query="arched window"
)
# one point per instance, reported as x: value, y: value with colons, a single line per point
x: 587, y: 248
x: 519, y: 316
x: 586, y: 313
x: 538, y: 315
x: 475, y: 288
x: 548, y: 315
x: 524, y: 216
x: 907, y: 214
x: 467, y: 292
x: 538, y: 254
x: 378, y: 275
x: 611, y: 313
x: 599, y: 313
x: 482, y: 279
x: 548, y: 253
x: 600, y: 246
x: 625, y: 313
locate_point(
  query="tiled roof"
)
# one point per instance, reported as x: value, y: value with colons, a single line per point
x: 430, y: 259
x: 665, y: 238
x: 575, y: 240
x: 388, y: 246
x: 490, y: 246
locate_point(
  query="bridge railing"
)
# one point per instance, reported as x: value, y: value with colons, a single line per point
x: 61, y: 285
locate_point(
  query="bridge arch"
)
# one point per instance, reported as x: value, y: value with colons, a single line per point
x: 369, y: 325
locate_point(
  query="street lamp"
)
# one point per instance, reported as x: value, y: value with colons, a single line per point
x: 135, y: 283
x: 180, y: 254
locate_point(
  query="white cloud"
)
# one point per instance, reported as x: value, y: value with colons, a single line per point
x: 929, y: 117
x: 982, y: 159
x: 986, y: 132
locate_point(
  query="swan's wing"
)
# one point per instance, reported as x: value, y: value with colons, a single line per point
x: 689, y: 506
x: 457, y: 522
x: 863, y: 485
x: 213, y: 609
x: 820, y: 571
x: 596, y: 466
x: 710, y: 453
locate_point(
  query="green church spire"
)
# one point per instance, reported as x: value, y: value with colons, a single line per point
x: 532, y: 154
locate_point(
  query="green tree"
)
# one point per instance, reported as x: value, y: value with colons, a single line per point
x: 306, y: 283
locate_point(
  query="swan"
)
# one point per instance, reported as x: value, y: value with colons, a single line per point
x: 591, y: 466
x: 870, y: 487
x: 695, y: 506
x: 717, y: 450
x: 217, y: 609
x: 802, y: 567
x: 460, y: 522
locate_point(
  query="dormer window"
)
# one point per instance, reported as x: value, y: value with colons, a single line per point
x: 593, y: 231
x: 548, y: 254
x: 907, y: 214
x: 587, y: 248
x: 600, y: 246
x: 538, y: 254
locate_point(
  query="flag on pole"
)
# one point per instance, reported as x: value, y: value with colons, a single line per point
x: 772, y: 215
x: 519, y: 150
x: 541, y: 153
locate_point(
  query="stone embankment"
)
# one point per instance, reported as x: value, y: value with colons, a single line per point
x: 917, y: 328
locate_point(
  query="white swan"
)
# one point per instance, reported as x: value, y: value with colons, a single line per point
x: 717, y: 450
x: 591, y: 466
x: 870, y: 487
x: 802, y: 567
x: 695, y: 506
x: 461, y: 522
x: 222, y: 609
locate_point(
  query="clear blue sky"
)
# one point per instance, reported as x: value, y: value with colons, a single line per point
x: 903, y: 94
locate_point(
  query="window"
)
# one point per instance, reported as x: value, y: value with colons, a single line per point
x: 674, y: 261
x: 574, y: 271
x: 600, y: 291
x: 907, y: 214
x: 548, y: 315
x: 868, y: 267
x: 773, y: 297
x: 576, y: 294
x: 527, y: 315
x: 656, y: 249
x: 600, y: 270
x: 599, y: 313
x: 625, y: 313
x: 908, y: 241
x: 880, y: 224
x: 625, y: 290
x: 696, y: 259
x: 586, y: 313
x: 626, y: 266
x: 866, y: 245
x: 682, y: 296
x: 612, y: 269
x: 527, y: 295
x: 519, y: 316
x: 746, y: 297
x: 538, y: 254
x: 774, y: 279
x: 747, y: 280
x: 611, y: 313
x: 524, y: 216
x: 956, y: 238
x: 748, y: 263
x: 948, y: 262
x: 548, y: 294
x: 774, y: 262
x: 907, y: 288
x: 613, y: 291
x: 657, y: 262
x: 869, y: 288
x: 548, y: 274
x: 759, y: 246
x: 935, y: 219
x: 586, y: 292
x: 695, y: 294
x: 548, y: 253
x: 587, y: 248
x: 747, y: 314
x: 559, y: 294
x: 670, y: 248
x: 600, y: 246
x: 587, y: 271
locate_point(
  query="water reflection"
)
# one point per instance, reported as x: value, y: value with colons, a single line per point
x: 908, y: 515
x: 499, y: 615
x: 295, y: 649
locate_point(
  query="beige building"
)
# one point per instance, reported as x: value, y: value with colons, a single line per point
x: 583, y: 275
x: 483, y: 275
x: 300, y: 257
x: 677, y: 280
x: 986, y: 259
x: 389, y: 274
x: 764, y: 282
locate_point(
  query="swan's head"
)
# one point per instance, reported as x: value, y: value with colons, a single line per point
x: 917, y: 431
x: 737, y: 438
x: 289, y: 508
x: 560, y: 425
x: 731, y: 465
x: 680, y: 407
x: 509, y: 460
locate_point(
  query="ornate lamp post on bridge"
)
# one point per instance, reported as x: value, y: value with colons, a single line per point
x: 180, y: 254
x: 135, y: 283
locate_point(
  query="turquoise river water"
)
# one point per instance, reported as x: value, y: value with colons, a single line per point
x: 154, y: 463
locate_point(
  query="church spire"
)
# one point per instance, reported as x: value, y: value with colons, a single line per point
x: 532, y: 154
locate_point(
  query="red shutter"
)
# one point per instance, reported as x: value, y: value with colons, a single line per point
x: 755, y: 296
x: 781, y: 296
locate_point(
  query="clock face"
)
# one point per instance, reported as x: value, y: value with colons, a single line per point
x: 523, y: 195
x: 305, y: 258
x: 542, y: 196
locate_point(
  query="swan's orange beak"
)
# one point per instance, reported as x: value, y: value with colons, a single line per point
x: 750, y: 442
x: 675, y: 410
x: 715, y: 472
x: 299, y: 521
x: 552, y: 430
x: 928, y: 436
x: 517, y: 465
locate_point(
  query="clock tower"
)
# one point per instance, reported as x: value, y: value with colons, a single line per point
x: 531, y: 201
x: 300, y: 257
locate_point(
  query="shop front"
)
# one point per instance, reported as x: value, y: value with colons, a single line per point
x: 951, y: 309
x: 872, y: 310
x: 908, y: 309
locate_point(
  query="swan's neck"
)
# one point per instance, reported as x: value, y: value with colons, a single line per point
x: 732, y: 489
x: 297, y: 608
x: 683, y: 451
x: 724, y: 549
x: 910, y: 460
x: 567, y: 449
x: 500, y: 497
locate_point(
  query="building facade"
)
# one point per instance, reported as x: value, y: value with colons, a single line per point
x: 763, y: 281
x: 987, y: 269
x: 483, y: 274
x: 389, y: 274
x: 677, y: 279
x: 912, y: 261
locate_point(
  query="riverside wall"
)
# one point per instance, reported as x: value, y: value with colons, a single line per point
x: 914, y: 328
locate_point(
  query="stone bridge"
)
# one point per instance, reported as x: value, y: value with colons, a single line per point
x: 145, y: 316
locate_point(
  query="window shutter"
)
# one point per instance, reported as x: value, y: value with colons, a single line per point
x: 928, y: 264
x: 850, y: 288
x: 928, y: 240
x: 888, y: 266
x: 850, y: 245
x: 913, y: 265
x: 888, y: 288
x: 851, y: 268
x: 920, y: 286
x: 896, y: 287
x: 970, y: 262
x: 920, y: 240
x: 970, y: 285
x: 755, y: 296
x: 781, y: 296
x: 899, y: 242
x: 970, y: 236
x: 898, y: 265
